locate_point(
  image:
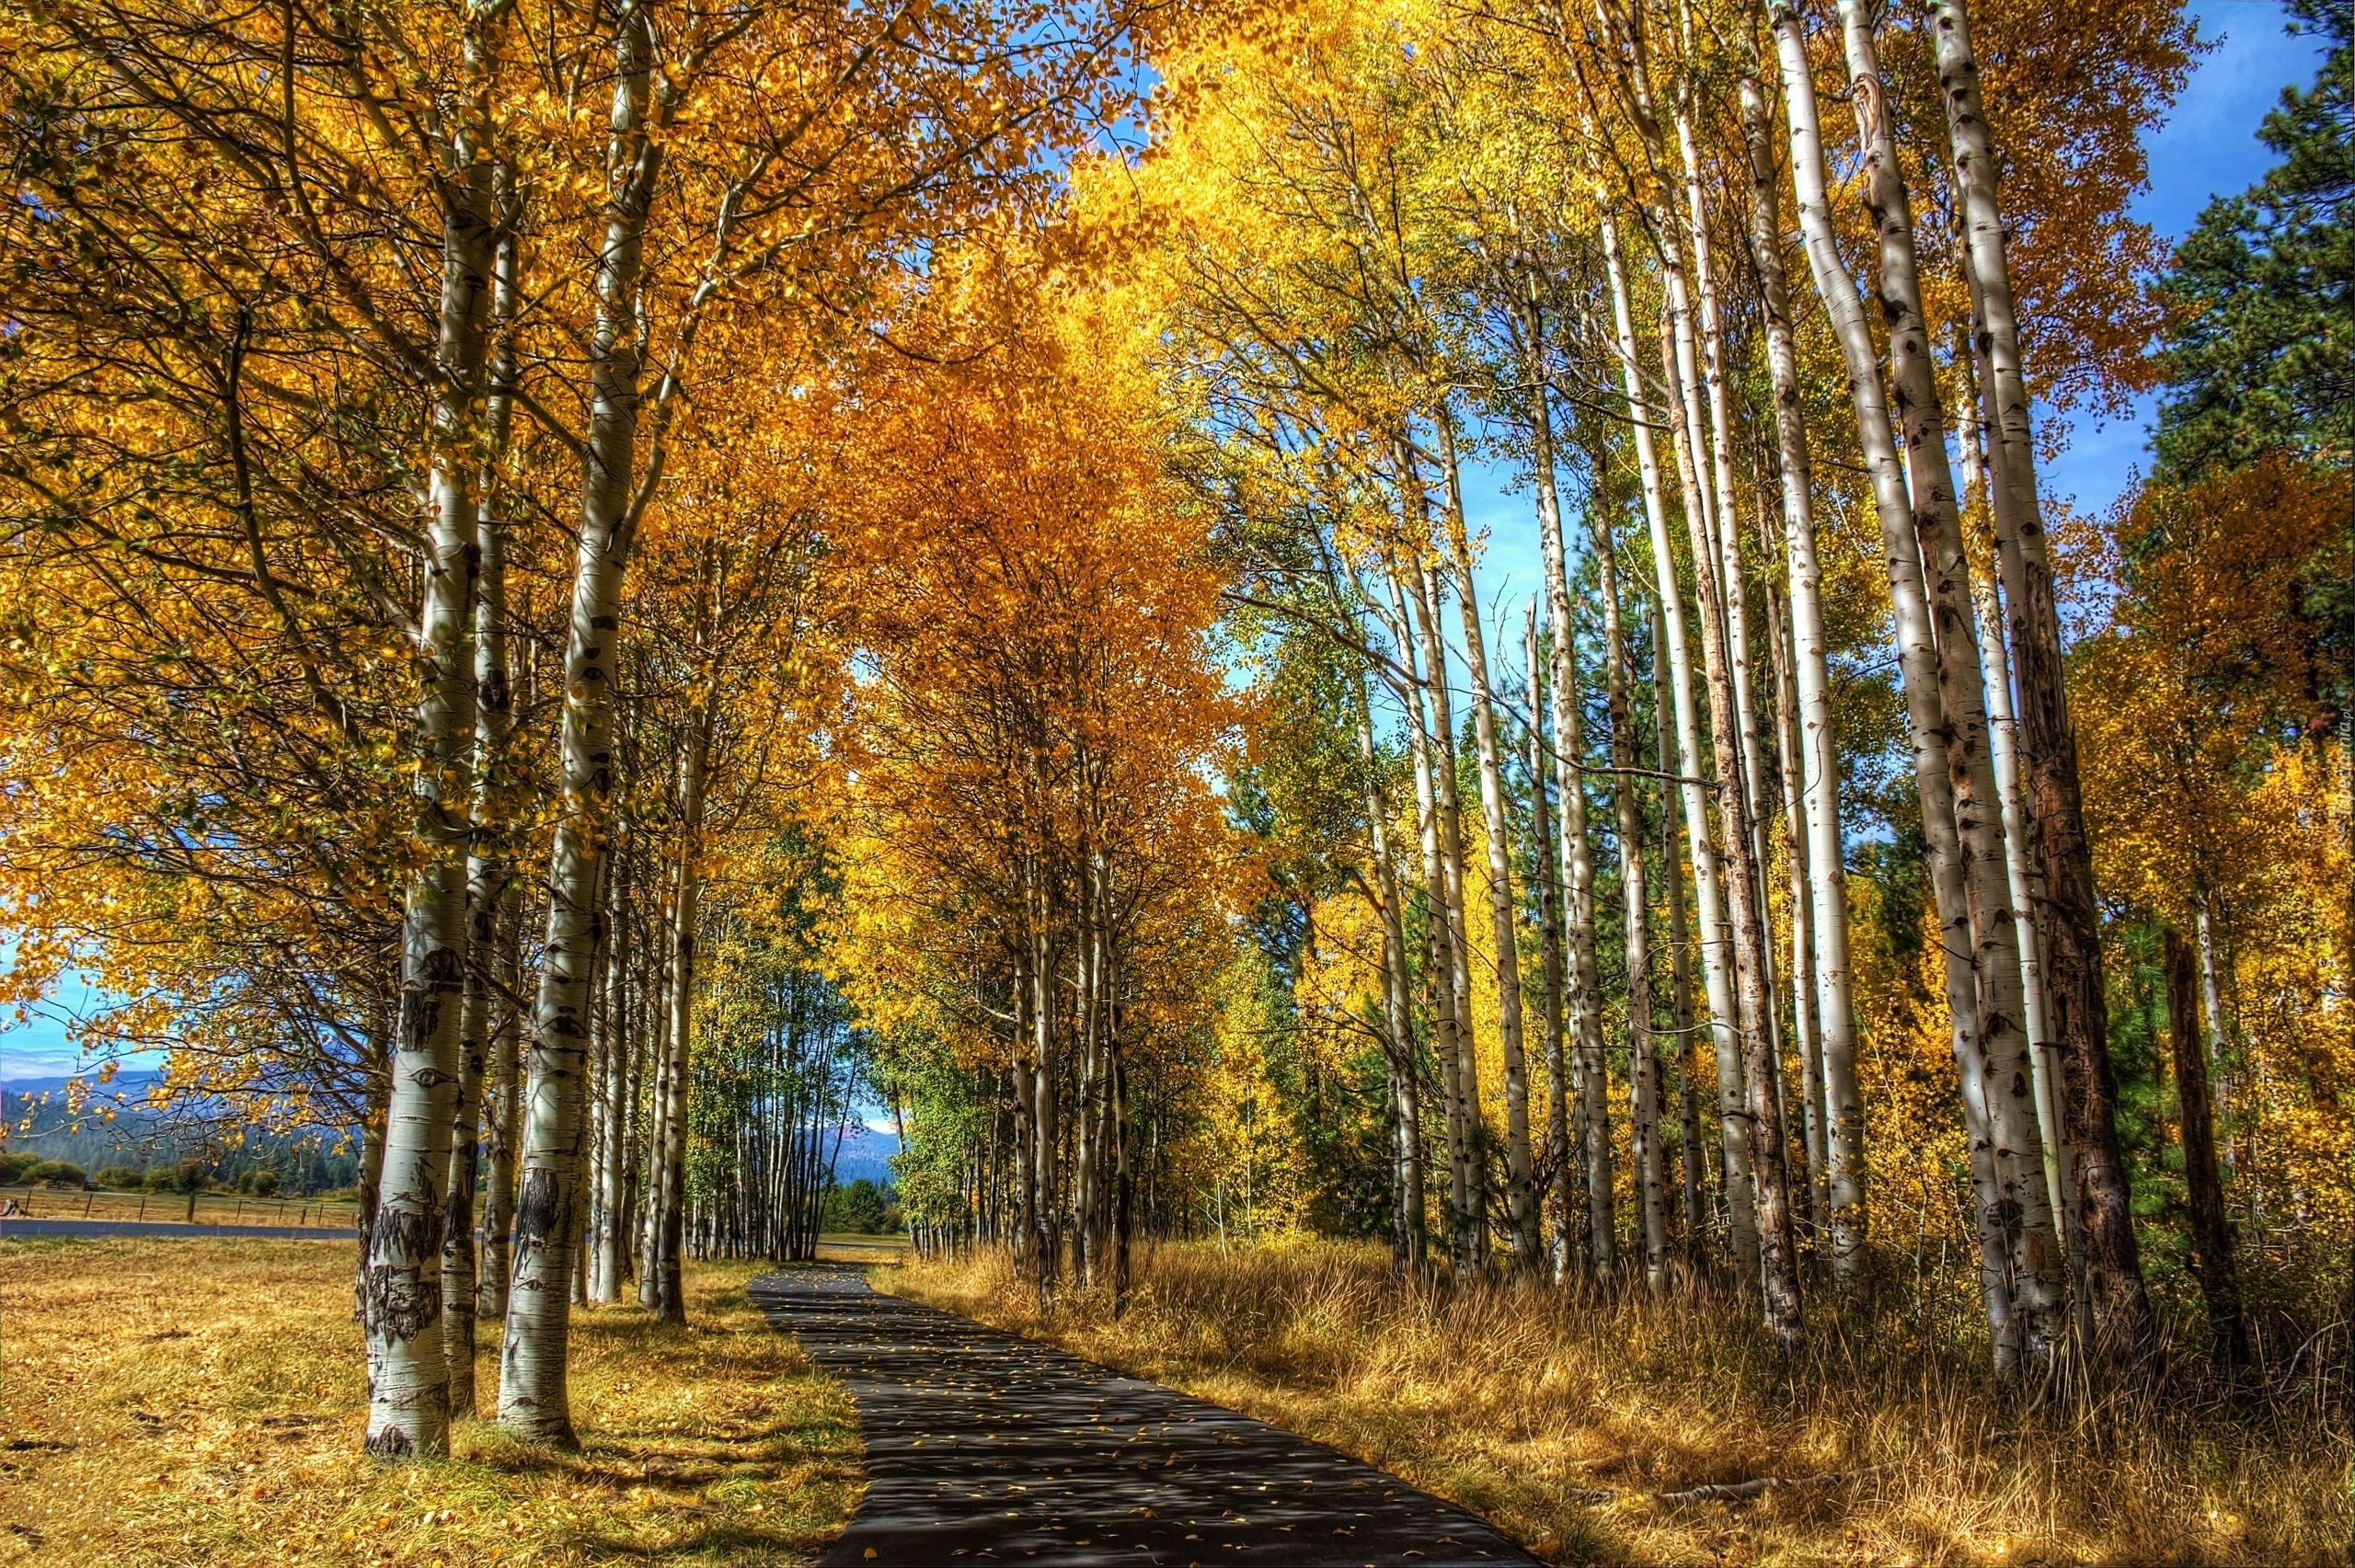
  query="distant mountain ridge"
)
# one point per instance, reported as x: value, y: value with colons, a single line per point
x: 132, y: 1085
x: 865, y: 1153
x: 132, y: 1137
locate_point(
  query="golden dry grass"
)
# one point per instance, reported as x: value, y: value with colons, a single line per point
x: 1509, y: 1400
x: 184, y: 1401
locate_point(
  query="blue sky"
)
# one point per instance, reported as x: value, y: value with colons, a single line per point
x: 2205, y: 148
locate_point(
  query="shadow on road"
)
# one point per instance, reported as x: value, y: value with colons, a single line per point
x: 983, y: 1446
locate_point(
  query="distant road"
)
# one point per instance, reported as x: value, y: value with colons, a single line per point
x: 13, y: 1227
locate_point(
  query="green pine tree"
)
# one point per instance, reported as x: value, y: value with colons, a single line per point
x: 2262, y: 359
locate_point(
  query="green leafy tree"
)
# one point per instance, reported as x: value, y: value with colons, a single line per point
x: 2263, y: 357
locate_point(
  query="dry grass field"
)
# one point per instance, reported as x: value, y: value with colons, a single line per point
x: 1565, y: 1422
x: 202, y: 1208
x: 202, y: 1402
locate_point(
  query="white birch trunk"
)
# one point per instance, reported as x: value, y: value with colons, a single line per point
x: 1804, y: 1037
x: 1521, y: 1198
x: 1469, y: 1185
x: 1716, y: 968
x: 1818, y: 742
x: 1560, y: 1249
x: 1644, y: 1090
x: 1577, y: 865
x: 2103, y: 1255
x: 2019, y: 871
x: 1917, y: 656
x: 1753, y: 1108
x: 401, y: 1295
x: 533, y: 1395
x: 671, y: 1171
x: 1408, y: 1238
x: 1691, y: 1157
x: 1446, y: 1021
x: 491, y: 870
x: 1938, y: 526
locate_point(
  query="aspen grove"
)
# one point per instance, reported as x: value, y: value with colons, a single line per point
x: 594, y: 595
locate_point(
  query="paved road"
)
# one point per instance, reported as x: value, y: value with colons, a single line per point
x: 14, y: 1227
x: 983, y: 1446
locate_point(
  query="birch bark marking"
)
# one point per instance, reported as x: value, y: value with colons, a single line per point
x: 1716, y: 970
x: 2071, y: 922
x: 1817, y: 737
x: 1938, y: 526
x: 533, y: 1396
x: 401, y: 1304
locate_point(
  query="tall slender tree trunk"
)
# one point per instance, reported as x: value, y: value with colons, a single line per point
x: 1447, y: 1024
x: 1043, y: 1121
x: 1756, y: 1110
x: 1576, y: 872
x: 664, y: 1092
x: 609, y: 1203
x: 1522, y: 1206
x: 1406, y: 1233
x: 533, y: 1395
x: 1468, y: 1187
x: 2071, y: 922
x: 401, y: 1288
x: 1816, y: 740
x: 488, y: 870
x: 1716, y: 957
x: 502, y: 1104
x: 2211, y: 1237
x: 1560, y: 1247
x: 1805, y: 1036
x: 1917, y: 661
x: 670, y: 1169
x: 2020, y: 872
x: 1691, y: 1161
x: 1643, y: 1057
x: 2011, y: 1112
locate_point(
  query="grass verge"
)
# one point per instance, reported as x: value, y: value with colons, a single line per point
x: 1527, y: 1405
x: 203, y: 1401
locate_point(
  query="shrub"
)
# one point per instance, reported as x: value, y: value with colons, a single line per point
x: 119, y: 1178
x: 188, y: 1176
x: 14, y: 1166
x: 58, y: 1173
x: 261, y: 1184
